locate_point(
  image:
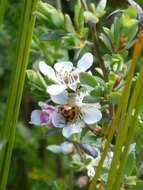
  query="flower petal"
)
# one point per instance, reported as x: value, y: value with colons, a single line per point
x: 132, y: 148
x: 71, y: 129
x: 63, y: 66
x: 47, y: 70
x: 91, y: 114
x: 61, y: 98
x: 36, y: 117
x: 46, y: 107
x: 58, y: 120
x: 108, y: 160
x: 85, y: 62
x: 90, y: 171
x: 55, y: 89
x: 66, y: 147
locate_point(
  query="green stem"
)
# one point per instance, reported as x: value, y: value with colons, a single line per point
x: 18, y: 79
x: 5, y: 133
x: 123, y: 103
x: 136, y: 103
x: 123, y: 124
x: 3, y: 6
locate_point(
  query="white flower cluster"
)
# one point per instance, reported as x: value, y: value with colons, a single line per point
x: 68, y: 112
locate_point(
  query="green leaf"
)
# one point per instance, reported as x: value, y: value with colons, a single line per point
x: 52, y: 14
x: 109, y: 33
x: 117, y: 31
x: 36, y: 78
x: 71, y: 40
x: 87, y: 79
x: 87, y: 161
x: 131, y: 163
x: 90, y: 99
x: 106, y: 41
x: 97, y: 92
x: 128, y: 22
x: 132, y: 33
x: 138, y: 186
x: 79, y: 16
x: 130, y: 180
x: 44, y: 20
x: 51, y: 36
x: 114, y: 97
x: 68, y: 24
x: 131, y: 12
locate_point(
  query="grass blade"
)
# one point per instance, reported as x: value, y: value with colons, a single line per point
x: 124, y: 124
x: 17, y: 84
x: 3, y: 6
x: 121, y: 110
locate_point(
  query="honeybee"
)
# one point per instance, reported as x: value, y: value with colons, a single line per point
x: 69, y: 111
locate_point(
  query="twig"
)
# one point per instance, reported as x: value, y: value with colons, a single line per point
x: 97, y: 50
x: 76, y: 144
x: 92, y: 28
x: 59, y: 6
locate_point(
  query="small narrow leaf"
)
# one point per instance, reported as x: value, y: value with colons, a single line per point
x: 68, y: 24
x: 106, y: 41
x: 79, y: 17
x: 36, y: 78
x: 51, y: 36
x: 90, y: 99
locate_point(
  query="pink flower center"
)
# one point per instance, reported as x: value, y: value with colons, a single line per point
x: 44, y: 117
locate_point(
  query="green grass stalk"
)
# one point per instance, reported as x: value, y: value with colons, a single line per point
x: 136, y: 103
x: 3, y: 6
x: 123, y: 103
x: 123, y: 128
x: 18, y: 79
x: 5, y: 133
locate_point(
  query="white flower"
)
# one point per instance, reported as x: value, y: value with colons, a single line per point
x: 94, y: 162
x: 65, y: 75
x: 131, y: 148
x: 90, y: 171
x: 87, y: 114
x: 108, y: 159
x: 67, y: 147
